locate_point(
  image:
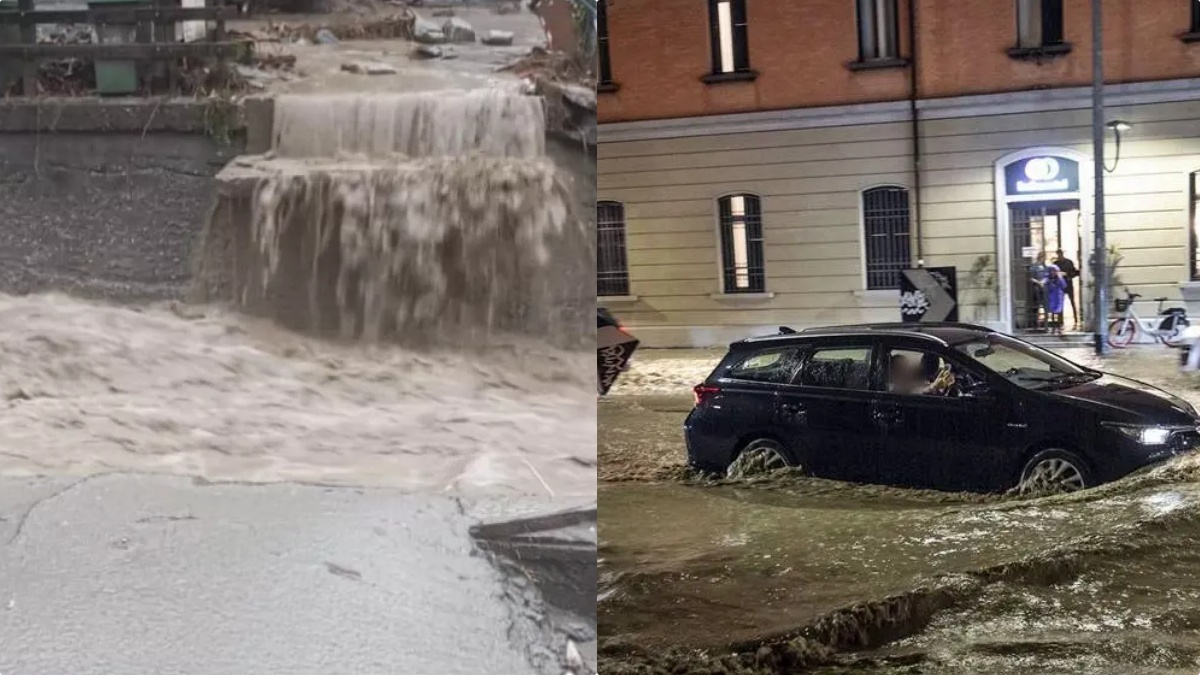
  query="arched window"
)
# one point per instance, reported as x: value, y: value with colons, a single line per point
x: 612, y: 265
x: 885, y: 212
x: 742, y: 267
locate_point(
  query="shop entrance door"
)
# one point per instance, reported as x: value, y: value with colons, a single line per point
x: 1044, y: 228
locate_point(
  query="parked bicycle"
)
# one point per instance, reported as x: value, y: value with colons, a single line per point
x: 1167, y: 327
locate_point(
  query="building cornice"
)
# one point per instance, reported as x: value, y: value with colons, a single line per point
x: 1008, y: 103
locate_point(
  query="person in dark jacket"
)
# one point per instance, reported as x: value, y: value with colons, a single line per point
x: 1070, y: 273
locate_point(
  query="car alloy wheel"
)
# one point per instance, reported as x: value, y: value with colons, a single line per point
x: 1052, y: 475
x: 762, y: 456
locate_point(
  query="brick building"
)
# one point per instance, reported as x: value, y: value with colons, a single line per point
x: 772, y: 162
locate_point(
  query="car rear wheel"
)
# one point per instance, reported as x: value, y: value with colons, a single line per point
x: 761, y: 456
x: 1052, y: 472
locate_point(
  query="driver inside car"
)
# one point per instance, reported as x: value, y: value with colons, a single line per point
x: 906, y: 377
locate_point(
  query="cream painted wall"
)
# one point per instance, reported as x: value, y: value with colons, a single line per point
x: 810, y: 180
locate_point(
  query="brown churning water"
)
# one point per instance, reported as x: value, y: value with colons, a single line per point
x: 421, y: 218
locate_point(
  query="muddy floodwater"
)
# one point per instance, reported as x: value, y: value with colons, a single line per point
x: 785, y: 573
x: 88, y: 388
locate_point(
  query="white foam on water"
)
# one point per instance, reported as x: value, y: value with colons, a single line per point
x: 499, y: 122
x: 87, y: 387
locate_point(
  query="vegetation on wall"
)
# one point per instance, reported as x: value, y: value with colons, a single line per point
x: 981, y: 279
x: 1115, y: 285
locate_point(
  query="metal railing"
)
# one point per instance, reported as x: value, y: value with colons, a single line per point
x: 156, y: 42
x: 886, y: 215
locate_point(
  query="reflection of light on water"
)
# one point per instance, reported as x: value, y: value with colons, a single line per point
x: 1162, y: 503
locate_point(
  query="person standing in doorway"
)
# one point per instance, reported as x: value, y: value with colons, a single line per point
x: 1056, y: 286
x: 1070, y: 273
x: 1037, y: 290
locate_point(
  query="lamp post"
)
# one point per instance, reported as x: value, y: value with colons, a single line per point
x: 1100, y: 244
x: 1116, y: 126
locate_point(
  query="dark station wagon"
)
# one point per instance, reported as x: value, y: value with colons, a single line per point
x: 939, y: 406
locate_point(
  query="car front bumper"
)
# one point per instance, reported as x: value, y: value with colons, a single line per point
x: 1137, y: 459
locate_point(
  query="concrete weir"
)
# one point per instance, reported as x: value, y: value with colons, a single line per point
x: 434, y: 217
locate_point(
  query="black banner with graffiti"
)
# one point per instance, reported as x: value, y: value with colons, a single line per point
x: 929, y: 294
x: 613, y: 352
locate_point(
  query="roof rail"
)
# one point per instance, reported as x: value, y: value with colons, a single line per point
x: 902, y: 325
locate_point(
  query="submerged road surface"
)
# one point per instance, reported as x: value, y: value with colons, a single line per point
x: 787, y: 574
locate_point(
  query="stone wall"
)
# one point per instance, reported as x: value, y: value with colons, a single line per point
x: 104, y: 198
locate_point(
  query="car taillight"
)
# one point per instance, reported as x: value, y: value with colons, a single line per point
x: 621, y: 330
x: 703, y: 391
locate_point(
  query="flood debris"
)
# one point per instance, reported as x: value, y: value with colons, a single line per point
x: 398, y: 25
x: 459, y: 31
x: 498, y: 38
x: 428, y: 52
x: 427, y: 32
x: 368, y: 68
x: 544, y: 64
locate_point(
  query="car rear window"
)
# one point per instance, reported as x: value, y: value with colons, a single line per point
x: 776, y: 365
x: 837, y: 368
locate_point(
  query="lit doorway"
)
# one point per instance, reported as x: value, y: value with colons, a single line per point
x: 1043, y: 228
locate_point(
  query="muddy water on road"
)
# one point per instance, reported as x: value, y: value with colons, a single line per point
x: 820, y: 573
x: 792, y: 574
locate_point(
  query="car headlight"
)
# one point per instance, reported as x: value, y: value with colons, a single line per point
x: 1145, y: 434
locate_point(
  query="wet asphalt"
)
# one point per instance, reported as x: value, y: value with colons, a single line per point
x: 132, y: 574
x: 792, y: 574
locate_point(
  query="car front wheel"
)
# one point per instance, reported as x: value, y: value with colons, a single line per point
x: 761, y: 456
x: 1052, y: 472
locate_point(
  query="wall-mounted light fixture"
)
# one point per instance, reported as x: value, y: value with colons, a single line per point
x: 1117, y: 126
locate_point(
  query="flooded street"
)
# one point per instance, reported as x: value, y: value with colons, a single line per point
x: 783, y: 573
x: 92, y: 388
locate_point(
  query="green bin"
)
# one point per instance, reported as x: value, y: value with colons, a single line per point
x: 116, y: 76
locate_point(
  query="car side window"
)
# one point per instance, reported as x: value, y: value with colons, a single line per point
x: 769, y: 365
x: 925, y: 373
x: 837, y: 368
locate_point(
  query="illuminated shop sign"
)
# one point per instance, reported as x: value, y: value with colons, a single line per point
x: 1042, y: 175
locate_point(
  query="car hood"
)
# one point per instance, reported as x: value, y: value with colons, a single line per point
x: 1131, y: 401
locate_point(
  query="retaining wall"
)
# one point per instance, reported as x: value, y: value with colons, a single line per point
x: 104, y: 197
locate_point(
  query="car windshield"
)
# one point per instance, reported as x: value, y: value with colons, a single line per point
x: 1024, y: 364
